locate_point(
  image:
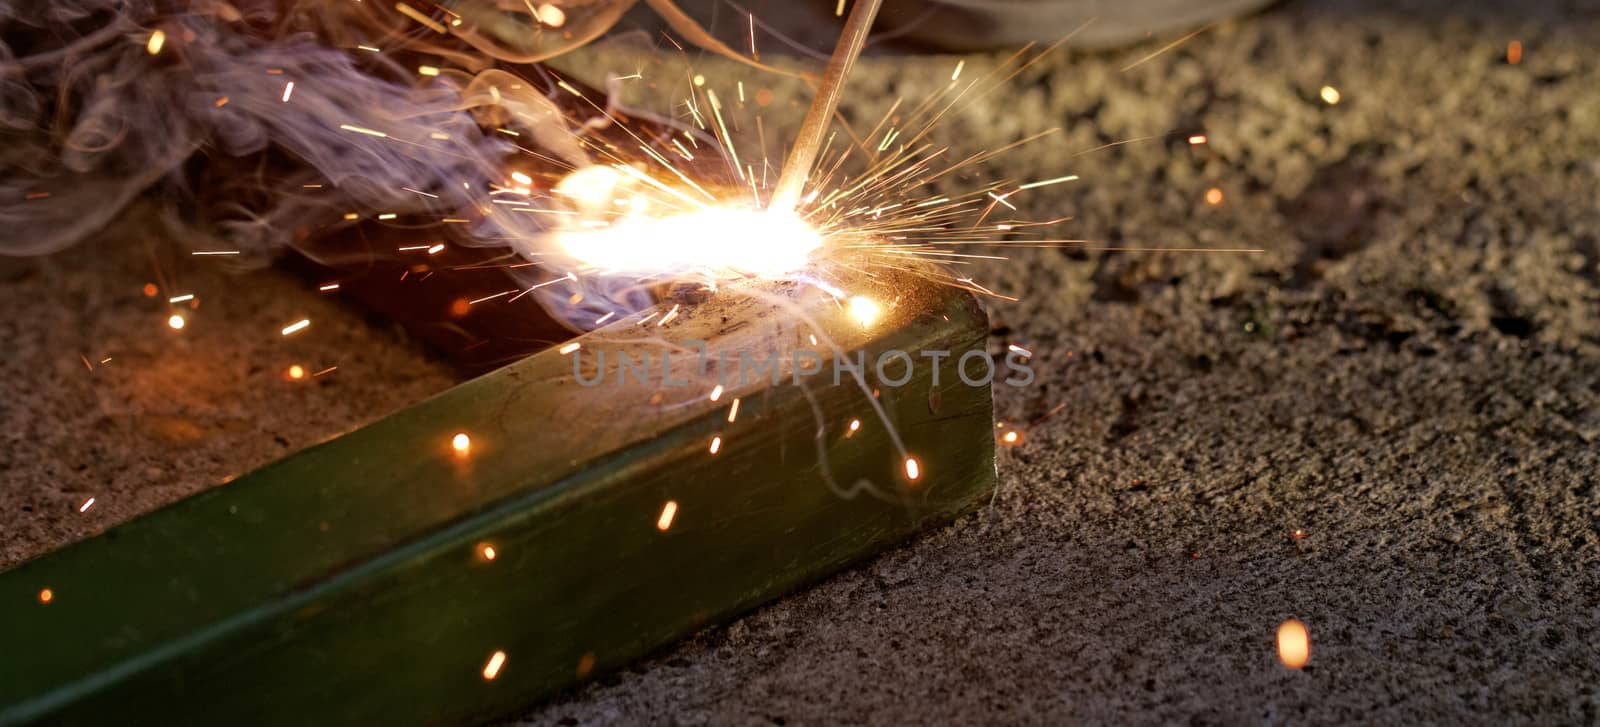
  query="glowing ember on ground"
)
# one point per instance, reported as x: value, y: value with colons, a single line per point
x: 1214, y: 196
x: 461, y: 443
x: 1294, y: 644
x: 1329, y: 94
x: 46, y: 596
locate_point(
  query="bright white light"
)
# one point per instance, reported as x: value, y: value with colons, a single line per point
x: 716, y: 240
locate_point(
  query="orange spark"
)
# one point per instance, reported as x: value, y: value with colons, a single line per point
x: 1514, y: 52
x: 913, y: 470
x: 492, y: 669
x: 46, y: 596
x: 176, y: 322
x: 1214, y: 196
x: 486, y: 551
x: 668, y: 512
x: 1294, y: 644
x: 297, y: 372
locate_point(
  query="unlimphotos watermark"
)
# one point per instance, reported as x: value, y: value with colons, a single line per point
x: 892, y: 368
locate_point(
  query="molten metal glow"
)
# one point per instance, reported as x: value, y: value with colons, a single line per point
x: 721, y: 241
x: 865, y: 310
x: 461, y: 443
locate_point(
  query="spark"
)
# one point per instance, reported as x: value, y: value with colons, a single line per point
x: 1214, y: 196
x: 150, y: 290
x: 957, y: 72
x: 181, y: 298
x: 1294, y: 644
x: 1514, y: 52
x: 1329, y: 94
x: 716, y: 392
x: 328, y: 370
x: 733, y: 411
x: 486, y: 551
x: 1197, y: 139
x: 716, y: 444
x: 1048, y: 182
x: 157, y: 39
x: 86, y: 505
x: 552, y: 16
x: 668, y: 512
x: 913, y: 469
x: 671, y: 314
x: 436, y: 249
x: 569, y: 348
x: 417, y: 15
x: 288, y: 90
x: 497, y: 660
x: 297, y: 326
x: 364, y: 130
x: 328, y: 287
x: 1165, y: 48
x: 1011, y: 438
x: 522, y: 179
x: 176, y: 322
x: 461, y: 443
x: 1014, y: 348
x: 855, y: 425
x: 46, y: 595
x: 427, y: 70
x: 215, y: 252
x: 297, y: 372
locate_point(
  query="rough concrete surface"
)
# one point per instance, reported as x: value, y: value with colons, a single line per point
x: 1408, y: 375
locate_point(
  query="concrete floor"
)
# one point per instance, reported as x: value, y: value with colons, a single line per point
x: 1409, y: 375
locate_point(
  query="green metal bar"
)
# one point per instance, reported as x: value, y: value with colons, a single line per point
x: 348, y: 584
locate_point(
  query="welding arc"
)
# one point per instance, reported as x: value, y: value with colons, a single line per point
x: 809, y: 141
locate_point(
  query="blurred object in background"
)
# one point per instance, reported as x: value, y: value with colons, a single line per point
x: 969, y: 25
x: 809, y: 28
